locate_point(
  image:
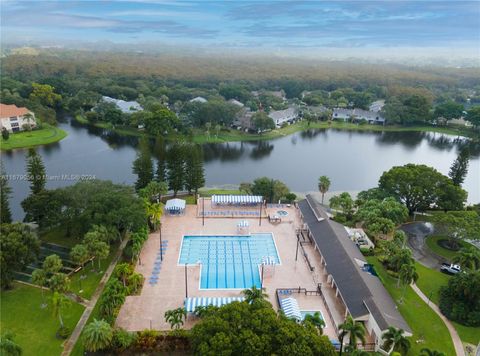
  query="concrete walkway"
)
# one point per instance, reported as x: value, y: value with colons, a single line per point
x: 70, y: 343
x: 457, y: 342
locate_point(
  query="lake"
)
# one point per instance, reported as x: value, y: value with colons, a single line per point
x: 354, y: 161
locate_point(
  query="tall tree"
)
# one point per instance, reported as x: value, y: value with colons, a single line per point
x: 194, y: 171
x: 473, y: 115
x: 19, y: 247
x: 39, y: 277
x: 468, y: 258
x: 5, y: 191
x: 254, y: 294
x: 343, y: 202
x: 35, y: 172
x: 153, y: 191
x: 395, y: 340
x: 97, y: 335
x: 459, y: 169
x: 176, y: 167
x: 59, y: 303
x: 407, y: 275
x: 323, y: 185
x: 419, y: 187
x: 143, y: 165
x: 354, y: 330
x: 315, y: 320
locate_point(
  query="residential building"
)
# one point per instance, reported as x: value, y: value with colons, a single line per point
x: 199, y: 99
x: 357, y: 289
x: 371, y: 117
x: 236, y: 102
x: 280, y: 117
x: 13, y: 118
x: 244, y: 120
x: 127, y: 107
x: 376, y: 106
x: 315, y: 111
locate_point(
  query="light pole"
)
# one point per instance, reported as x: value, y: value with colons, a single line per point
x: 160, y: 239
x: 260, y: 217
x: 186, y: 281
x: 296, y: 252
x: 203, y: 211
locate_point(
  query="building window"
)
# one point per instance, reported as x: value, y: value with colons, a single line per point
x: 13, y: 118
x: 14, y: 124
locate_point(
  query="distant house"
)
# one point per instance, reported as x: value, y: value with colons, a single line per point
x: 127, y: 107
x: 243, y: 120
x: 459, y: 122
x: 236, y: 102
x: 315, y: 111
x: 342, y: 114
x: 371, y: 117
x: 15, y: 119
x: 376, y: 106
x: 198, y: 99
x: 280, y: 117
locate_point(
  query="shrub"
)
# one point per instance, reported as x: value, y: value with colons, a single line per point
x: 460, y: 299
x: 123, y: 339
x: 146, y: 340
x: 367, y: 251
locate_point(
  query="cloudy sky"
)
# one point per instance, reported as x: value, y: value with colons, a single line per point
x: 452, y: 25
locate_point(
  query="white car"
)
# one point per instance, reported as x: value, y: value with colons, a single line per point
x: 450, y: 268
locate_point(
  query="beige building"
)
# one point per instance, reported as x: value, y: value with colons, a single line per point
x: 14, y: 119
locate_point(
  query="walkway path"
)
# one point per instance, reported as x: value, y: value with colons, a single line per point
x: 457, y: 342
x: 70, y: 343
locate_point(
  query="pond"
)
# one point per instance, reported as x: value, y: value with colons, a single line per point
x: 354, y: 161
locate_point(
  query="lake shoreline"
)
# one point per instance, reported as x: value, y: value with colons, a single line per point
x: 233, y: 135
x: 27, y: 139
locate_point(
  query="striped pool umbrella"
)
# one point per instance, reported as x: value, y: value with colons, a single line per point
x: 194, y: 302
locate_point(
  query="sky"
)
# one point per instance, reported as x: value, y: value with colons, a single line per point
x: 417, y: 26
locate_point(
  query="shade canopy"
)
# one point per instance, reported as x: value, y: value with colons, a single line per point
x: 236, y: 199
x: 290, y: 308
x: 175, y: 204
x: 193, y: 303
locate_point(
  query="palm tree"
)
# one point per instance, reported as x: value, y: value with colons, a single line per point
x: 39, y: 277
x: 97, y: 335
x: 8, y: 346
x: 354, y: 330
x: 123, y: 270
x: 315, y: 320
x: 59, y: 302
x: 254, y: 294
x: 323, y: 185
x: 136, y: 249
x: 427, y: 352
x: 154, y: 212
x: 407, y: 275
x: 175, y: 317
x: 468, y: 258
x: 395, y: 340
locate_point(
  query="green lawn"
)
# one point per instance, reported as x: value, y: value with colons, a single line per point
x: 439, y: 250
x: 424, y: 322
x: 34, y: 327
x: 205, y: 192
x: 57, y: 236
x: 48, y: 134
x: 93, y: 277
x: 429, y: 282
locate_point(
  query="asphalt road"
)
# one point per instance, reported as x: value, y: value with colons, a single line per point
x: 417, y: 232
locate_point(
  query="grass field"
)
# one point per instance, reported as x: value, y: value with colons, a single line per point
x: 48, y: 134
x: 57, y: 236
x: 439, y: 250
x: 429, y: 283
x: 33, y: 326
x: 424, y: 322
x: 93, y: 277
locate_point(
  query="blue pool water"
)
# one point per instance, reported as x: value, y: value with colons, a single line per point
x: 228, y: 261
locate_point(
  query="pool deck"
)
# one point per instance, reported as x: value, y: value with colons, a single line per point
x: 147, y: 309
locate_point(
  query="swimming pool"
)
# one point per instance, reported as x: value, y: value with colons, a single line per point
x: 228, y: 261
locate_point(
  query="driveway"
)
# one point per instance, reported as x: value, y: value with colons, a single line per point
x: 417, y: 232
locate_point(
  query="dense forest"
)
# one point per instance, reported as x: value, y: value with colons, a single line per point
x: 75, y: 81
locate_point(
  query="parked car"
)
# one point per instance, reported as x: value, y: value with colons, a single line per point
x: 450, y: 268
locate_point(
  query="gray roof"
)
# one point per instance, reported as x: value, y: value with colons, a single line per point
x: 127, y: 107
x: 362, y: 292
x: 280, y: 116
x: 198, y: 99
